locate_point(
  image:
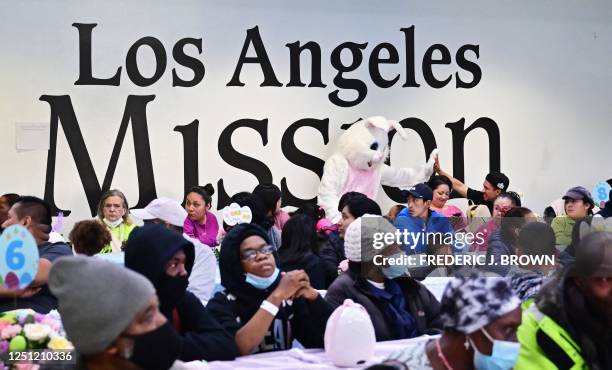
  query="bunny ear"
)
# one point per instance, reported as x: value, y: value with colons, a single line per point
x: 400, y: 130
x: 378, y: 122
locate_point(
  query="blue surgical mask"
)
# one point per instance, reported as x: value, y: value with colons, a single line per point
x: 395, y: 271
x: 262, y: 282
x: 503, y: 356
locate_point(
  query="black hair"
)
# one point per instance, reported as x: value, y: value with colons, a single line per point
x: 269, y: 194
x: 537, y: 239
x: 513, y: 196
x: 206, y: 192
x: 36, y: 208
x: 311, y: 210
x: 549, y: 214
x: 299, y: 238
x: 360, y: 206
x: 513, y: 220
x: 346, y: 197
x: 436, y: 181
x: 257, y: 209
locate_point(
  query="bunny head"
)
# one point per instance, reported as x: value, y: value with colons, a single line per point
x: 365, y: 143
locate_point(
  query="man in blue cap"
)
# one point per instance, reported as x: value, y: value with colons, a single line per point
x: 417, y: 222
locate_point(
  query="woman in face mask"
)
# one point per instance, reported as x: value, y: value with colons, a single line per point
x: 114, y: 213
x: 399, y: 306
x: 261, y: 306
x: 480, y: 316
x: 107, y: 330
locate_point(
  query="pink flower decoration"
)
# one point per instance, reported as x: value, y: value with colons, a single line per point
x: 53, y: 324
x: 10, y: 331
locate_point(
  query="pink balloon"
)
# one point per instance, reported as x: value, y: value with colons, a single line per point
x: 11, y: 281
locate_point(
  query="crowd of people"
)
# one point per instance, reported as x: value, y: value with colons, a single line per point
x: 185, y: 286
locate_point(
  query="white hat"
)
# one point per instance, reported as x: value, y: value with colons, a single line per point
x: 359, y: 237
x: 352, y: 241
x: 165, y: 209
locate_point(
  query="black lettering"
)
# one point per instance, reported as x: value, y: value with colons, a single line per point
x: 62, y: 112
x: 304, y: 160
x: 459, y: 134
x: 468, y: 66
x: 295, y: 50
x: 190, y: 154
x: 261, y: 58
x: 131, y: 62
x: 348, y: 83
x: 410, y: 63
x: 429, y: 144
x: 429, y: 61
x: 236, y: 159
x: 376, y: 60
x: 190, y: 62
x: 85, y: 71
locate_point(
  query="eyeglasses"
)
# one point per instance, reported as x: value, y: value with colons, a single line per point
x: 251, y: 254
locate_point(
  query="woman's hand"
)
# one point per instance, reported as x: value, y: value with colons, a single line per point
x: 290, y: 283
x: 308, y: 292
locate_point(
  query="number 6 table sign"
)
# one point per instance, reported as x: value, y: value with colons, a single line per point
x: 18, y: 257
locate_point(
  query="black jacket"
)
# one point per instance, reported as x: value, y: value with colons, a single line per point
x: 148, y: 250
x: 607, y: 210
x: 302, y: 320
x: 312, y: 265
x: 422, y: 305
x: 331, y: 251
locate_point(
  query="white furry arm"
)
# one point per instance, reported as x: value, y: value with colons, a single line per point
x: 334, y: 176
x: 404, y: 178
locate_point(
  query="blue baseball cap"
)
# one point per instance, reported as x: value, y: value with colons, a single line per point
x: 419, y: 191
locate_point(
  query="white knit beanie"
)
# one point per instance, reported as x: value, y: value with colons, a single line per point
x: 359, y: 237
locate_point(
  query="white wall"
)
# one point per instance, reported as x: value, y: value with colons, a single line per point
x: 546, y: 77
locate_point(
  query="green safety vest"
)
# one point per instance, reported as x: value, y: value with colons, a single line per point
x: 545, y: 344
x: 121, y: 233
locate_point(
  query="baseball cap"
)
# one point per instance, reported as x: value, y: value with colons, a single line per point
x: 498, y: 180
x: 165, y: 209
x: 578, y: 193
x: 420, y: 191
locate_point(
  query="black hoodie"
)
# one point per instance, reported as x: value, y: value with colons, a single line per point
x: 233, y: 308
x: 148, y: 250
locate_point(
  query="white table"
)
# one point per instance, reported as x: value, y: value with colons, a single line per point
x: 284, y: 360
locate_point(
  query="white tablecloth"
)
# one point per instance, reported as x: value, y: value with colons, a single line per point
x: 285, y: 360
